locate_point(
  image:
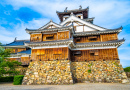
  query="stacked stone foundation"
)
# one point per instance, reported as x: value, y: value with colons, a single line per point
x: 48, y: 72
x: 67, y: 72
x: 99, y: 71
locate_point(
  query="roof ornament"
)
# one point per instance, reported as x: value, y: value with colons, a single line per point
x: 80, y: 7
x: 65, y: 9
x: 15, y: 39
x: 71, y: 14
x: 51, y: 20
x: 121, y: 27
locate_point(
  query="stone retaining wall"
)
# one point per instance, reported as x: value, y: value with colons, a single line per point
x: 99, y: 71
x: 48, y: 72
x: 67, y: 72
x: 22, y: 70
x: 128, y: 74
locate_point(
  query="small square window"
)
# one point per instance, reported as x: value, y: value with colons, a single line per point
x: 50, y: 38
x: 79, y: 16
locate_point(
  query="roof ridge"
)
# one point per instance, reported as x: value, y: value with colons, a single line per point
x: 48, y: 23
x: 23, y: 40
x: 73, y: 10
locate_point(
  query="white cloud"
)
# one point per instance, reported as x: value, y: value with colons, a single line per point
x: 106, y: 12
x: 18, y: 31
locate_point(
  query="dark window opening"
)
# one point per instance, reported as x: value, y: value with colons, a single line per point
x: 79, y: 17
x: 92, y: 38
x: 49, y: 37
x: 66, y: 17
x: 92, y: 54
x: 77, y: 53
x: 78, y: 39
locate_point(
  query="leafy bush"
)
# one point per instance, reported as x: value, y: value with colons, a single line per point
x: 127, y: 69
x: 7, y: 79
x: 89, y: 71
x: 18, y: 79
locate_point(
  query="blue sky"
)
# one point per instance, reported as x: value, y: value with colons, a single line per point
x: 16, y: 15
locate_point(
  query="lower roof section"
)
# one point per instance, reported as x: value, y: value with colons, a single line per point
x: 75, y: 46
x: 25, y: 52
x: 16, y: 44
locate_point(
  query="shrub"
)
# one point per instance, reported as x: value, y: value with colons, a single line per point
x: 7, y: 79
x: 18, y: 79
x: 89, y: 71
x: 127, y: 69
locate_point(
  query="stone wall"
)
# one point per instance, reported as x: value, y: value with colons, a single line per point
x: 21, y: 69
x: 67, y: 72
x: 48, y: 72
x: 128, y: 74
x: 99, y: 71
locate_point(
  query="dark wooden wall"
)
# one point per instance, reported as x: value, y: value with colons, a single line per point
x: 50, y: 37
x: 99, y: 54
x: 50, y: 54
x: 35, y: 37
x: 16, y: 50
x: 96, y: 38
x: 85, y: 39
x: 108, y: 37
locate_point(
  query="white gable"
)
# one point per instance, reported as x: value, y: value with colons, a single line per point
x: 81, y: 25
x: 51, y: 24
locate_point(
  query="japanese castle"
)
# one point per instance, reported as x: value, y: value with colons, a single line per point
x: 75, y: 38
x: 75, y: 50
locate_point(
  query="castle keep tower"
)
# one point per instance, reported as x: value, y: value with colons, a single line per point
x: 76, y: 38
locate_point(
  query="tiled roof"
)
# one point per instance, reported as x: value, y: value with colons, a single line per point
x: 27, y: 51
x: 55, y: 41
x: 48, y: 29
x: 98, y: 32
x: 75, y: 10
x: 17, y: 43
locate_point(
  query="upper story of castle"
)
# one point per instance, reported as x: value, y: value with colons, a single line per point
x: 75, y: 30
x: 74, y: 26
x: 80, y: 13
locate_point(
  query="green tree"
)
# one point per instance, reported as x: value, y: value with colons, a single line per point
x: 127, y: 69
x: 7, y: 66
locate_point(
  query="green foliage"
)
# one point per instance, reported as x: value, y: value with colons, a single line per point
x: 127, y: 69
x: 7, y: 79
x: 7, y: 66
x: 89, y: 71
x: 18, y: 79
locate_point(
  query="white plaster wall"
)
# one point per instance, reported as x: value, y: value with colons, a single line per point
x: 80, y: 29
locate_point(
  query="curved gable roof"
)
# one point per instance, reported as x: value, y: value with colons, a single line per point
x: 48, y: 24
x: 74, y: 18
